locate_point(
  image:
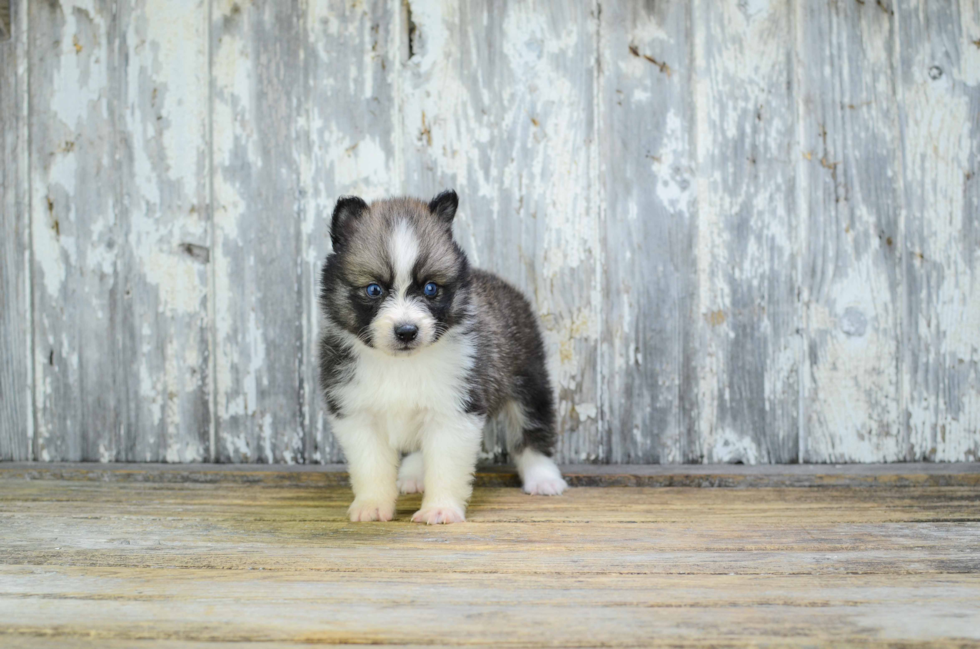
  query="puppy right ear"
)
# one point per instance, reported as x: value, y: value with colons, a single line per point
x: 348, y: 210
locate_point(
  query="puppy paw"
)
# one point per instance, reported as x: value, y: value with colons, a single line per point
x: 410, y: 485
x: 540, y: 474
x: 411, y: 475
x: 435, y: 515
x: 545, y: 486
x: 364, y: 510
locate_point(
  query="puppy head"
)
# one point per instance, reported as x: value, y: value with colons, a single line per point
x: 396, y: 279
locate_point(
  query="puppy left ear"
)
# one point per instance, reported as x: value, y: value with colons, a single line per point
x: 444, y: 206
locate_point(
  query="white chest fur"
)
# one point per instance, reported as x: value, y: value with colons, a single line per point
x: 397, y: 393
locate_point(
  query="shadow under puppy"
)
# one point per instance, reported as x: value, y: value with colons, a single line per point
x: 417, y: 351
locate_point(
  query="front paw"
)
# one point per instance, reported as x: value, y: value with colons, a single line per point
x: 438, y: 514
x: 411, y: 485
x: 364, y: 509
x: 545, y: 486
x: 411, y: 474
x: 540, y: 474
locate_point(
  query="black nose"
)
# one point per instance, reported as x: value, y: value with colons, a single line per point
x: 406, y: 332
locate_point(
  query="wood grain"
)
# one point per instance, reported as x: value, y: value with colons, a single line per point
x: 162, y: 255
x: 87, y: 562
x: 909, y: 474
x: 852, y: 284
x: 748, y: 317
x: 76, y: 229
x: 259, y: 141
x: 16, y: 417
x: 938, y: 72
x: 120, y: 230
x: 648, y: 219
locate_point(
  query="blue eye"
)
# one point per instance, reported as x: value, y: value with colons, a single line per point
x: 374, y: 290
x: 430, y: 289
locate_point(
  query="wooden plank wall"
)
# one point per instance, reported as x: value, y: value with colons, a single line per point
x: 751, y: 229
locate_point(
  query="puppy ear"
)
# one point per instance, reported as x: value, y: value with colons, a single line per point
x: 348, y: 210
x: 444, y: 206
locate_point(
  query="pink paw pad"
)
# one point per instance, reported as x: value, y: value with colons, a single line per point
x: 545, y: 487
x: 370, y: 511
x: 438, y: 515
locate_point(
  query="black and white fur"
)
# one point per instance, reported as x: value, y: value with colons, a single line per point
x: 478, y: 352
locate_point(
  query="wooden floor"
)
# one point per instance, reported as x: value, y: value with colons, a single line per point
x: 273, y: 562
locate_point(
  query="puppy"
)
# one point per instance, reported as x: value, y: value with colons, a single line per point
x: 417, y: 351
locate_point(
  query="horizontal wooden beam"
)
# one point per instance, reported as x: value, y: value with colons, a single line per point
x: 708, y: 475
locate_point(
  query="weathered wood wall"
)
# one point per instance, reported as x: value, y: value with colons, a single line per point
x: 751, y: 229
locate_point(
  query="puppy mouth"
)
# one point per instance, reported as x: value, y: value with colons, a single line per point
x: 404, y: 349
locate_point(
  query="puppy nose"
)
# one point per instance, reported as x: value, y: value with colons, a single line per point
x: 406, y: 332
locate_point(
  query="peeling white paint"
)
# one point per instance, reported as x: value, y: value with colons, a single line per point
x: 673, y: 186
x: 942, y: 391
x: 521, y: 130
x: 231, y: 75
x: 81, y: 65
x: 181, y: 288
x: 853, y: 397
x: 733, y: 446
x: 586, y: 411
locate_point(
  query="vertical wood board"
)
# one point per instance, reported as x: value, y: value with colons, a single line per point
x: 163, y: 253
x: 852, y: 284
x: 648, y: 180
x: 74, y: 89
x: 260, y: 136
x: 748, y: 348
x: 16, y: 417
x: 939, y: 98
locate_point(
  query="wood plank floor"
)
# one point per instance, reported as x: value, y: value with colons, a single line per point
x: 123, y: 563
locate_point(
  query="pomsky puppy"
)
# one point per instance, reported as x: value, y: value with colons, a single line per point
x: 417, y: 351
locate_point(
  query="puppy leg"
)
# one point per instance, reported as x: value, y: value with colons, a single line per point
x: 411, y: 475
x: 531, y: 439
x: 539, y: 473
x: 373, y: 467
x: 450, y: 445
